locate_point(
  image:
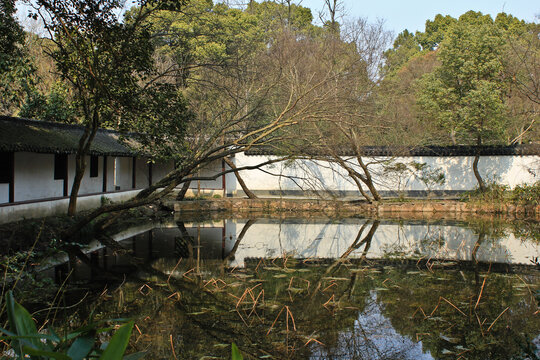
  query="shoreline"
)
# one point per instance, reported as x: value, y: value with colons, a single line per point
x: 410, y: 209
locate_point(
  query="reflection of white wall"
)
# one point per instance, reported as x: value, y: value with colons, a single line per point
x: 508, y: 170
x: 4, y: 193
x: 312, y: 239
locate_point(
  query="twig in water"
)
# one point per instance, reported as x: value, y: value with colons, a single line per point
x: 172, y: 347
x: 172, y: 272
x: 494, y: 321
x: 480, y: 295
x: 454, y: 306
x: 274, y: 323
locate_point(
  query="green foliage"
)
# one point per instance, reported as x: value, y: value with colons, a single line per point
x: 27, y: 341
x: 494, y: 193
x: 465, y: 94
x: 405, y: 47
x: 235, y: 353
x: 55, y: 106
x: 527, y: 194
x: 15, y: 68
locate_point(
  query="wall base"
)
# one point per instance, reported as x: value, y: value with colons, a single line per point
x: 43, y: 208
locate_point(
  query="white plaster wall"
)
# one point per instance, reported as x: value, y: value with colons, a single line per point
x: 316, y: 239
x: 209, y: 170
x: 52, y: 207
x: 160, y: 169
x: 123, y: 173
x: 89, y: 185
x: 34, y: 177
x: 141, y: 180
x: 110, y: 173
x: 4, y: 193
x: 319, y: 175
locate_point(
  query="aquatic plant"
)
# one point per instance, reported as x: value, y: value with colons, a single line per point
x: 79, y: 344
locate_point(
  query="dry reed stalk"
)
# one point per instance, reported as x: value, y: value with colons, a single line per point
x: 418, y: 262
x: 259, y: 264
x: 421, y: 334
x: 172, y: 272
x: 494, y: 321
x: 256, y: 302
x: 480, y: 324
x: 454, y: 306
x: 436, y: 307
x: 527, y: 285
x: 173, y: 294
x: 241, y: 298
x: 480, y: 295
x: 290, y: 283
x: 139, y: 330
x: 277, y: 317
x: 187, y: 272
x: 144, y: 287
x: 289, y: 313
x: 332, y: 298
x: 422, y: 310
x: 315, y: 340
x: 333, y: 283
x: 172, y: 347
x: 234, y: 268
x: 241, y: 317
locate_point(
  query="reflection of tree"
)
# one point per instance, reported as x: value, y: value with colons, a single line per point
x: 243, y: 232
x: 417, y: 307
x: 350, y: 307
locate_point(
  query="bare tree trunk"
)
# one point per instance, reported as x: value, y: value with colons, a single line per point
x: 80, y: 163
x: 481, y: 184
x: 368, y: 180
x: 248, y: 192
x: 182, y: 194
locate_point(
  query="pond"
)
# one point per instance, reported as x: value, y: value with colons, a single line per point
x: 293, y: 288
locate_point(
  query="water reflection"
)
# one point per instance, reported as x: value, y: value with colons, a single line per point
x: 322, y: 289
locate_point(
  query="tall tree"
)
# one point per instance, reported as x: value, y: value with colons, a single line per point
x: 465, y: 93
x: 16, y: 69
x: 108, y: 61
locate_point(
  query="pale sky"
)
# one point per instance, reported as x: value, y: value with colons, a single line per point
x: 412, y: 14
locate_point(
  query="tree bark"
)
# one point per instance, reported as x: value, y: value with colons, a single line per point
x: 368, y: 180
x: 481, y: 184
x: 182, y: 194
x: 248, y: 192
x: 80, y: 163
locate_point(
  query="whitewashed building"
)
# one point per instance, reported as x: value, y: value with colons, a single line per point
x: 37, y: 168
x: 506, y: 165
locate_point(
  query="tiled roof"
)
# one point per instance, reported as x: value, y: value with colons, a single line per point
x: 17, y: 134
x: 457, y: 150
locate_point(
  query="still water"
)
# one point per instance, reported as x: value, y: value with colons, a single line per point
x: 319, y: 288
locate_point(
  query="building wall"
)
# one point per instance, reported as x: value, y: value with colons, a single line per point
x: 210, y: 170
x: 59, y: 206
x: 34, y: 177
x: 320, y: 175
x: 123, y: 173
x: 142, y: 175
x: 160, y: 169
x: 89, y: 185
x: 4, y: 193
